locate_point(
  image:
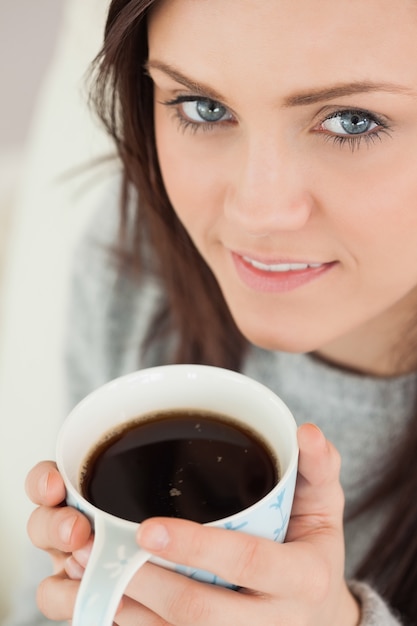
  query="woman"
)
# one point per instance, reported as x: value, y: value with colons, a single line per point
x: 273, y: 147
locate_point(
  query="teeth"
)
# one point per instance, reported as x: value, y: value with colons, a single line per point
x: 280, y: 267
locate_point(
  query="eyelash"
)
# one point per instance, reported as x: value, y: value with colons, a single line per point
x: 353, y: 141
x: 188, y: 125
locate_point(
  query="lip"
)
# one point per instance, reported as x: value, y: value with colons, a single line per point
x: 277, y: 275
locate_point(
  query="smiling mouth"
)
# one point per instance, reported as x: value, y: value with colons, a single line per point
x: 281, y: 267
x: 277, y: 276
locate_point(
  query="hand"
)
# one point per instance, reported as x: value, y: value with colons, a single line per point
x: 59, y: 530
x: 299, y: 583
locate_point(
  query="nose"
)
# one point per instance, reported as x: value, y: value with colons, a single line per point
x: 268, y: 191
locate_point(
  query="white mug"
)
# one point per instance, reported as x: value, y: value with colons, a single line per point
x: 116, y: 556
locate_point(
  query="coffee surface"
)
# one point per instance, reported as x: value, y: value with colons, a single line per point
x: 187, y: 464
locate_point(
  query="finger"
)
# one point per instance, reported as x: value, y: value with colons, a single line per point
x: 56, y: 597
x: 131, y: 612
x: 44, y: 484
x: 239, y: 558
x: 180, y: 600
x: 319, y: 461
x: 318, y: 503
x: 63, y: 528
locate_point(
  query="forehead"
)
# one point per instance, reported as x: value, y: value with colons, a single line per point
x: 295, y: 40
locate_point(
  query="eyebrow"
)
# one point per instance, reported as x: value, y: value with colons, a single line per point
x: 192, y: 85
x: 303, y: 98
x: 345, y: 89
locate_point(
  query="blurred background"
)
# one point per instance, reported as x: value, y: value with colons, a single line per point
x: 28, y: 32
x: 46, y: 132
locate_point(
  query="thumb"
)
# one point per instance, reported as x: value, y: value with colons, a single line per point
x: 319, y: 501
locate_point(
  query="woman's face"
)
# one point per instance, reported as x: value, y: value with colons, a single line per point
x: 287, y: 138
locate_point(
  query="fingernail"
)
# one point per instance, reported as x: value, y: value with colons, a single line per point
x: 313, y: 431
x: 66, y: 527
x: 317, y: 430
x: 43, y: 485
x: 153, y: 537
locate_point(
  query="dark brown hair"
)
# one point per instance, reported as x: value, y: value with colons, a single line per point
x: 123, y: 97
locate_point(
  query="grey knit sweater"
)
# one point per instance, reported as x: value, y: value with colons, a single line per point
x: 362, y: 416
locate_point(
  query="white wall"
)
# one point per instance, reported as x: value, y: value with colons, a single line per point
x: 28, y: 30
x: 47, y: 218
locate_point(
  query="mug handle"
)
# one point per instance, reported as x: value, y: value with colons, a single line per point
x: 114, y: 559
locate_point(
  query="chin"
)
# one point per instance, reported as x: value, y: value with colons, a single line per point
x: 288, y: 341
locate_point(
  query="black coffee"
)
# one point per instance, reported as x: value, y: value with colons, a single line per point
x: 188, y: 464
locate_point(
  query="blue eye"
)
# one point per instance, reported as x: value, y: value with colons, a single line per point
x: 205, y: 110
x: 350, y: 123
x: 352, y: 127
x: 198, y: 113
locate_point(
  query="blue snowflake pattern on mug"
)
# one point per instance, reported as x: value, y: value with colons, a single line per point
x: 280, y: 530
x: 116, y: 567
x: 197, y: 574
x: 204, y: 576
x: 231, y: 526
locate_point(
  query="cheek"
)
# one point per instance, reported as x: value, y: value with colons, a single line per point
x: 372, y: 209
x: 191, y: 168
